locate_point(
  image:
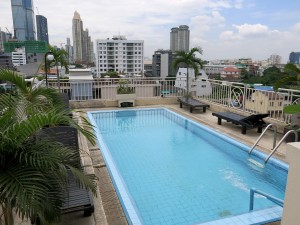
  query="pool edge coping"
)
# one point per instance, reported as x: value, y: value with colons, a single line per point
x: 131, y: 211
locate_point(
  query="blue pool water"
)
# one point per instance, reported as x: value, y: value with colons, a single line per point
x: 170, y: 170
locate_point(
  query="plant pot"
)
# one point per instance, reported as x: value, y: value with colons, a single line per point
x: 128, y: 98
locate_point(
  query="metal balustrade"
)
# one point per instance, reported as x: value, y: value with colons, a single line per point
x: 233, y: 95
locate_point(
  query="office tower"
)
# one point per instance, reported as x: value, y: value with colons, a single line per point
x: 162, y: 63
x: 42, y: 28
x: 69, y: 50
x: 77, y: 31
x: 2, y: 40
x: 23, y: 19
x: 120, y: 55
x: 180, y: 38
x: 294, y: 57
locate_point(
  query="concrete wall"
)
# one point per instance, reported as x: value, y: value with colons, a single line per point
x: 291, y: 215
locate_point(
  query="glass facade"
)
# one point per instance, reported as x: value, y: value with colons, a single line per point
x: 23, y: 19
x: 42, y: 28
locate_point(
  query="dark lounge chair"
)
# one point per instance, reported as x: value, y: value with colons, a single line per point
x: 192, y: 103
x: 78, y: 198
x: 247, y: 122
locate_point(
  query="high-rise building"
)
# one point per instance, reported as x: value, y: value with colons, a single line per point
x: 42, y: 28
x: 2, y: 40
x: 82, y: 45
x: 294, y: 57
x: 274, y: 59
x: 69, y: 50
x: 180, y: 38
x: 120, y: 55
x: 162, y: 63
x: 23, y: 19
x: 77, y: 30
x: 86, y: 47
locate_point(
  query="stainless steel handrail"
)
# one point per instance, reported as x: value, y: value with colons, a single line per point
x: 269, y: 197
x: 279, y: 143
x: 262, y: 134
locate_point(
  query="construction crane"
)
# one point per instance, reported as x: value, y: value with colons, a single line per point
x: 8, y: 31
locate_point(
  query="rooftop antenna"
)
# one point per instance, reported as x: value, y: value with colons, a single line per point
x: 37, y: 10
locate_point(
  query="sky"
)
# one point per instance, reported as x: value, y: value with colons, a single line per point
x: 224, y: 29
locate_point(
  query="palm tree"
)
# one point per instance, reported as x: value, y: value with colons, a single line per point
x: 60, y: 59
x: 190, y: 60
x: 33, y: 170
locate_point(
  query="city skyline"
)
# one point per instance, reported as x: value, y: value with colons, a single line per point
x: 223, y: 28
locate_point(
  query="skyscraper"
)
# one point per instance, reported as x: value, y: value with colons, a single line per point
x: 77, y: 31
x: 69, y: 50
x: 42, y: 28
x: 294, y: 57
x: 23, y: 19
x: 82, y: 44
x: 180, y: 38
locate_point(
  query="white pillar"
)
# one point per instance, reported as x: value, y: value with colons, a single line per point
x: 291, y: 213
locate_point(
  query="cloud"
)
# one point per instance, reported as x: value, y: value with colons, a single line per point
x: 203, y: 23
x: 246, y: 31
x: 239, y: 4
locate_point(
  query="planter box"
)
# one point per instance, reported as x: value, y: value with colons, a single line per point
x: 122, y: 98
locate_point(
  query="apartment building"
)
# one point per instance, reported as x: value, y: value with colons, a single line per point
x: 120, y: 55
x: 162, y: 63
x: 180, y: 38
x: 19, y: 57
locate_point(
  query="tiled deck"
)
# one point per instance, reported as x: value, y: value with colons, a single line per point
x: 111, y: 212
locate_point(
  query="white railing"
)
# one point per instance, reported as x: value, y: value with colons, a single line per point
x: 234, y: 95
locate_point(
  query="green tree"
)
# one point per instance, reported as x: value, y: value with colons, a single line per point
x: 294, y: 76
x: 190, y: 60
x: 33, y: 170
x: 60, y: 59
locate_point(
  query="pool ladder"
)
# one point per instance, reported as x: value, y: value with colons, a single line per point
x: 275, y: 147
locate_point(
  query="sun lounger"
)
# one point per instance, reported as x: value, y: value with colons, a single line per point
x: 78, y: 198
x: 192, y: 103
x: 66, y: 105
x: 247, y: 122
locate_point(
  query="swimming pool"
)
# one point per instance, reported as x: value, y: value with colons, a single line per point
x: 170, y: 170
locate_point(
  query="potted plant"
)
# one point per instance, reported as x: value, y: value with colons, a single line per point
x: 125, y: 93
